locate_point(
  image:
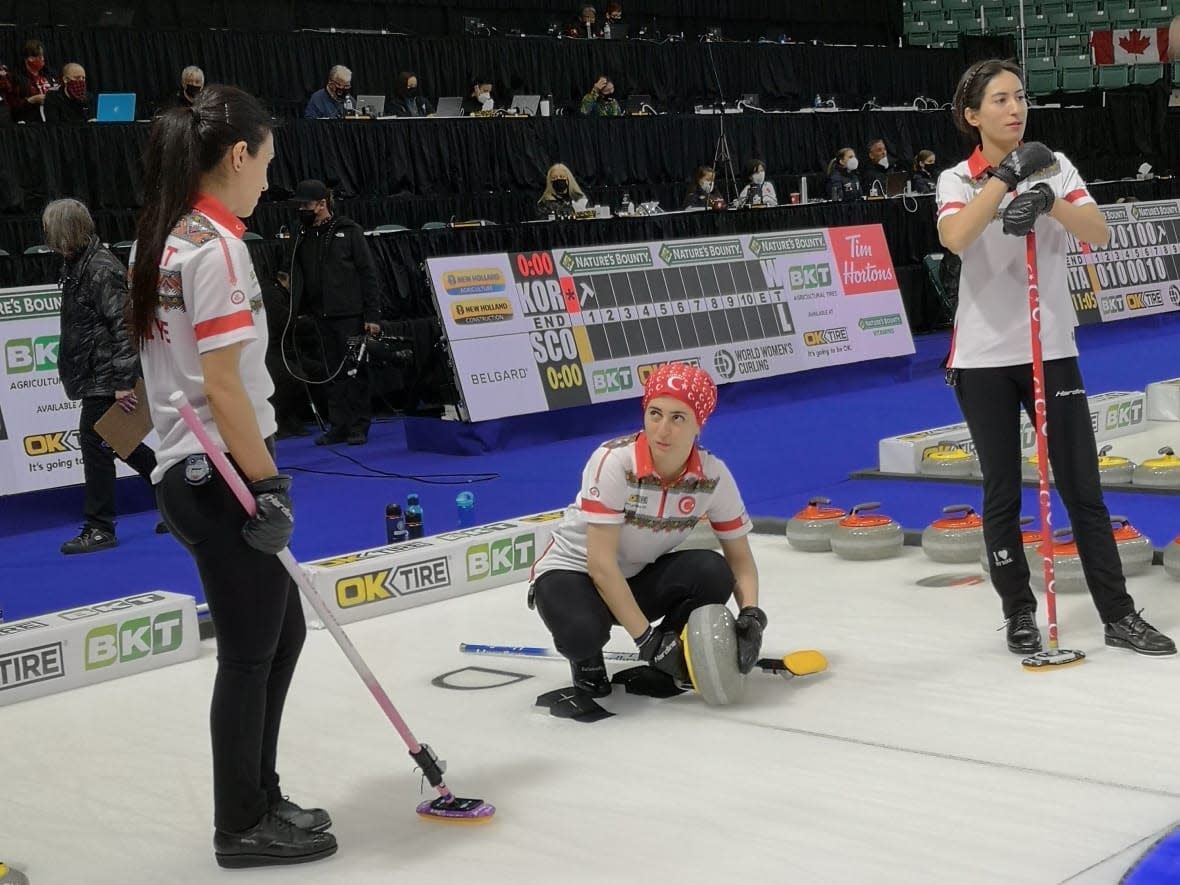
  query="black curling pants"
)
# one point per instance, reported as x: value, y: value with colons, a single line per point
x: 990, y: 400
x: 669, y: 588
x: 260, y: 631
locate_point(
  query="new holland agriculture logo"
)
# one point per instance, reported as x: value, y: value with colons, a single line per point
x: 500, y: 557
x: 401, y: 580
x: 31, y: 354
x: 475, y: 281
x: 134, y: 639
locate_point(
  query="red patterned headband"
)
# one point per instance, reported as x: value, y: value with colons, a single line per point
x: 689, y: 384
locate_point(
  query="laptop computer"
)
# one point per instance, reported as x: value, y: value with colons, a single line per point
x: 527, y: 104
x: 373, y: 105
x: 635, y: 104
x: 116, y: 107
x: 451, y: 106
x: 895, y: 183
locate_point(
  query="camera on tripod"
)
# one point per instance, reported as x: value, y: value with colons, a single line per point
x: 384, y: 350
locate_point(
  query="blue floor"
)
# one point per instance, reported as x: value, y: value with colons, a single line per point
x: 785, y: 439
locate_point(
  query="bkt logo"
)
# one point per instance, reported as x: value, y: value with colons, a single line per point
x: 1144, y: 300
x: 612, y: 380
x: 825, y: 336
x: 1124, y: 415
x: 134, y: 639
x: 1111, y: 304
x: 56, y: 443
x: 810, y: 276
x: 500, y: 557
x: 402, y: 580
x: 31, y: 354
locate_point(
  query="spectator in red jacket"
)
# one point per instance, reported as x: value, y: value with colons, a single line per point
x: 28, y: 84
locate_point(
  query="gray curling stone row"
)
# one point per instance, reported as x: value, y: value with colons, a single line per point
x: 862, y: 535
x: 810, y: 530
x: 1114, y: 470
x: 1162, y: 472
x: 957, y: 537
x: 948, y: 459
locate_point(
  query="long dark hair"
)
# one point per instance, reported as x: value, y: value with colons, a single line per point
x: 185, y: 143
x: 972, y: 86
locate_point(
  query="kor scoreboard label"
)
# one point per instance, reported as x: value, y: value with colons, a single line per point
x: 535, y: 331
x: 1137, y: 273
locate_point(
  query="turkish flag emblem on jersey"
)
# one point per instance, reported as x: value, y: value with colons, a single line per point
x: 863, y: 263
x: 1135, y: 46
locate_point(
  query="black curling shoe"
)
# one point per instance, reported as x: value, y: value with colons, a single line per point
x: 1136, y: 634
x: 316, y: 820
x: 590, y: 677
x: 271, y: 842
x: 1024, y: 636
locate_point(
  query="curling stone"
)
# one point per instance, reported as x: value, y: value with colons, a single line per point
x: 1067, y: 565
x: 1114, y: 470
x: 711, y: 652
x: 1029, y: 539
x: 702, y: 537
x: 811, y: 528
x: 1172, y: 559
x: 863, y: 536
x: 955, y: 538
x: 1029, y: 471
x: 9, y: 876
x: 1135, y: 551
x: 948, y: 459
x: 1162, y: 472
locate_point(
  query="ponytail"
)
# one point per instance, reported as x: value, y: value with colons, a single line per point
x: 185, y: 144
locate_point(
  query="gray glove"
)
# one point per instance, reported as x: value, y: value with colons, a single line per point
x: 274, y: 519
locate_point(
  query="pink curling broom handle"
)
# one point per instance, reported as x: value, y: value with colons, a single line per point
x: 1038, y: 369
x: 238, y: 487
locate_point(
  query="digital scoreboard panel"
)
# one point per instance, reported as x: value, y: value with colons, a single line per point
x: 1137, y: 273
x: 539, y: 331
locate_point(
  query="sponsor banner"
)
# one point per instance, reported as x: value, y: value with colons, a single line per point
x: 1163, y: 400
x: 1137, y: 273
x: 386, y: 579
x: 107, y: 640
x: 540, y: 331
x: 39, y: 446
x: 1112, y: 415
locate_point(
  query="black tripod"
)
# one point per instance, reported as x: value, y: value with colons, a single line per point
x: 722, y: 157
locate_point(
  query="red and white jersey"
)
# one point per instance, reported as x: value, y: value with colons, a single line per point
x: 208, y: 298
x: 991, y: 323
x: 620, y: 486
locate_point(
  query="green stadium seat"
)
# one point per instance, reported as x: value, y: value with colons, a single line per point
x: 1072, y: 44
x: 1051, y: 8
x: 927, y: 8
x: 1002, y: 24
x: 1080, y: 6
x: 921, y: 38
x: 1116, y: 7
x: 1128, y: 18
x: 1033, y: 32
x: 1094, y: 20
x: 1144, y: 75
x: 1041, y: 75
x: 1077, y: 79
x: 989, y: 5
x: 1113, y: 76
x: 958, y: 6
x: 1065, y: 23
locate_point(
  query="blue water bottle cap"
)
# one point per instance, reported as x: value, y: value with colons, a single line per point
x: 464, y: 499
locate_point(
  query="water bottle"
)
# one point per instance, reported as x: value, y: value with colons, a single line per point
x: 395, y: 525
x: 465, y: 509
x: 606, y: 31
x: 546, y: 105
x: 818, y: 101
x: 627, y: 207
x: 413, y: 517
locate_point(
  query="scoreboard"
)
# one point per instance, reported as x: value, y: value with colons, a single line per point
x: 1137, y: 273
x: 538, y: 331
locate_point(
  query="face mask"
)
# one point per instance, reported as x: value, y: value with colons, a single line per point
x: 76, y: 89
x: 851, y: 163
x: 191, y: 92
x: 306, y: 217
x: 929, y: 165
x: 36, y: 64
x: 758, y: 177
x: 883, y: 162
x: 561, y: 186
x: 483, y: 97
x: 412, y: 93
x: 707, y: 186
x: 342, y: 91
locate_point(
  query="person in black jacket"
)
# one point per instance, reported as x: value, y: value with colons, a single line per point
x: 71, y: 104
x: 407, y: 101
x: 334, y: 281
x: 702, y: 194
x: 874, y: 173
x: 843, y: 183
x: 95, y: 360
x: 922, y: 181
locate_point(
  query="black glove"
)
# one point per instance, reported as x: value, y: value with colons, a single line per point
x: 1023, y: 211
x: 270, y: 529
x: 1030, y: 157
x: 751, y: 621
x: 663, y: 651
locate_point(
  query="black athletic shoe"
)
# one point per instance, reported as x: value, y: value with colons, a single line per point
x: 358, y: 438
x: 590, y: 677
x: 332, y: 437
x: 90, y: 540
x: 162, y: 528
x: 271, y: 842
x: 314, y: 820
x: 290, y: 431
x: 1136, y: 634
x: 1024, y: 636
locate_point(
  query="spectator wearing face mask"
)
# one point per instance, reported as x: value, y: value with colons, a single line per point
x: 480, y: 99
x: 562, y: 196
x: 759, y: 191
x: 586, y: 24
x: 28, y: 84
x: 843, y: 181
x: 192, y: 81
x: 334, y: 100
x: 600, y: 100
x: 872, y: 177
x: 70, y: 104
x: 407, y: 101
x: 703, y: 194
x: 923, y: 180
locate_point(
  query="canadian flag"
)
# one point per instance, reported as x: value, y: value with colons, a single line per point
x: 1130, y: 47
